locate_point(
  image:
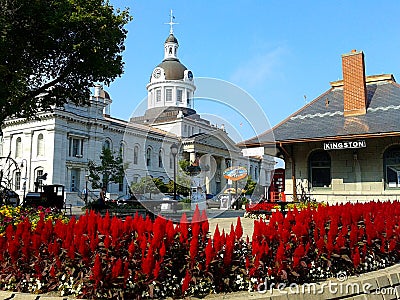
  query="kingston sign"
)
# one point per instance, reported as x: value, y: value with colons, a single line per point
x: 345, y: 145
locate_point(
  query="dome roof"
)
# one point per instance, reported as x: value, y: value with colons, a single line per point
x: 173, y: 69
x: 171, y: 39
x: 104, y: 94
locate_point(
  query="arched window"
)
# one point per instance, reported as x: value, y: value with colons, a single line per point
x: 391, y: 163
x: 255, y: 173
x: 319, y: 164
x: 148, y: 157
x: 40, y: 145
x: 251, y: 171
x: 135, y: 155
x: 107, y: 144
x: 18, y: 147
x: 122, y: 149
x: 160, y: 158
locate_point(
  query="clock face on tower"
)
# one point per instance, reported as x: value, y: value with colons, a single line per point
x: 157, y: 73
x: 190, y: 75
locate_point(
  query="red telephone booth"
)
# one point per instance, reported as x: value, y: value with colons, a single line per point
x: 277, y: 187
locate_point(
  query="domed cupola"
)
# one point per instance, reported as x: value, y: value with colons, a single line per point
x: 171, y: 83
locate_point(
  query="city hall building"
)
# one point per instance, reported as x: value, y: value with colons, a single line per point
x: 62, y: 142
x: 345, y: 144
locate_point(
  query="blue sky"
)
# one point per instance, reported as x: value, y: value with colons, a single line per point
x: 277, y: 51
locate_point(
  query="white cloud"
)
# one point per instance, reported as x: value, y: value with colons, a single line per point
x: 259, y: 68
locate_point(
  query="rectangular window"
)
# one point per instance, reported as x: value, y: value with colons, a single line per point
x: 168, y: 95
x: 39, y: 174
x: 158, y: 95
x: 189, y: 101
x: 179, y: 96
x: 75, y: 147
x: 18, y: 181
x: 135, y: 155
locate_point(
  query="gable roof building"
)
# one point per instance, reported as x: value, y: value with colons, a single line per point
x: 345, y: 144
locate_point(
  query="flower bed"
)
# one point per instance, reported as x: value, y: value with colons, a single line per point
x: 264, y: 210
x: 15, y: 215
x: 103, y: 257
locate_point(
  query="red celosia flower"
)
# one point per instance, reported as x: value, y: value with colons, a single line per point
x: 52, y: 271
x: 126, y: 271
x: 186, y: 281
x: 183, y: 228
x: 131, y: 248
x: 320, y: 245
x: 157, y: 268
x: 194, y: 245
x: 205, y: 226
x: 209, y: 252
x: 195, y: 229
x: 107, y: 242
x: 298, y: 254
x: 356, y: 257
x: 217, y: 239
x: 116, y: 269
x: 97, y: 269
x: 13, y: 248
x: 239, y: 229
x: 196, y: 215
x: 163, y: 250
x: 71, y: 252
x: 170, y: 231
x: 148, y: 262
x: 230, y: 241
x: 94, y: 242
x: 280, y: 253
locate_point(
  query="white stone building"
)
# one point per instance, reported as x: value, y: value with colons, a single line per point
x: 62, y: 142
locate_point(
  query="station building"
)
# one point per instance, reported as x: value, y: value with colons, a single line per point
x: 345, y: 144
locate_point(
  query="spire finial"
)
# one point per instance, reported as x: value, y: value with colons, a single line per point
x: 171, y: 23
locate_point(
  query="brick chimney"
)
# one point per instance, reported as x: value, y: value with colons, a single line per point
x: 354, y: 90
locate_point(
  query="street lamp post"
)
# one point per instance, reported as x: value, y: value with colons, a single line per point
x: 25, y: 177
x: 86, y: 188
x: 174, y: 152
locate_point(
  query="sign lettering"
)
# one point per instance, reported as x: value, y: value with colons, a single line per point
x: 345, y: 145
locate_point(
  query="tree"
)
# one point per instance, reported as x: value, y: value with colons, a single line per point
x: 110, y: 169
x: 53, y: 51
x: 250, y: 186
x: 145, y: 185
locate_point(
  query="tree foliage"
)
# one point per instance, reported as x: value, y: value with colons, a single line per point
x: 146, y: 185
x: 53, y: 51
x: 250, y: 186
x: 110, y: 169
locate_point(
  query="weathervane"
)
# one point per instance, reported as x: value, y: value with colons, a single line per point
x: 171, y: 23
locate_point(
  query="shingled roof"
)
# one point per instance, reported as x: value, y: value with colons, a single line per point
x: 323, y: 118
